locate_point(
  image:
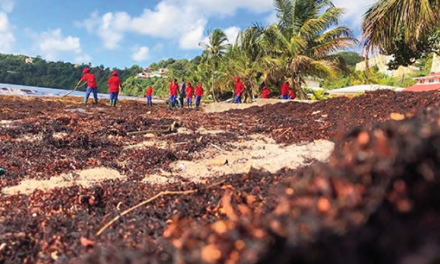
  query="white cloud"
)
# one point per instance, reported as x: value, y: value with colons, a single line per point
x: 354, y: 10
x: 141, y: 54
x: 183, y: 21
x: 232, y: 33
x: 83, y: 59
x: 110, y: 27
x: 191, y: 39
x: 7, y: 5
x: 51, y: 44
x: 7, y: 38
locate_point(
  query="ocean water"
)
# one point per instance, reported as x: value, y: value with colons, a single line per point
x: 22, y: 90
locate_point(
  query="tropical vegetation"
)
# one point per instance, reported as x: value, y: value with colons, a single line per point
x: 307, y: 42
x: 405, y: 29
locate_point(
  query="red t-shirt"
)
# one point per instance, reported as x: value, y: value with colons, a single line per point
x: 113, y: 84
x: 90, y: 79
x: 199, y: 91
x: 149, y: 91
x: 239, y: 88
x: 285, y: 89
x: 265, y: 93
x: 189, y: 92
x: 292, y: 94
x: 173, y: 88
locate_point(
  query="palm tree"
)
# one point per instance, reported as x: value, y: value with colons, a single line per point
x: 389, y: 20
x: 305, y: 40
x: 248, y: 58
x: 213, y: 52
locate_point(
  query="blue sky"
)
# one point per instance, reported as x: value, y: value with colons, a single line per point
x: 123, y: 33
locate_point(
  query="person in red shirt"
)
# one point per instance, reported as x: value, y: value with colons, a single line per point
x: 148, y: 95
x: 173, y: 92
x: 292, y: 94
x: 114, y: 83
x: 285, y: 90
x: 199, y: 94
x: 189, y: 94
x: 92, y: 86
x: 265, y: 91
x: 239, y: 89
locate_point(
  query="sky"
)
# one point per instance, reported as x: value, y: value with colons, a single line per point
x: 123, y: 33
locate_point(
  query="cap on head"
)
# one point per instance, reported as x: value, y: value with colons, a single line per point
x: 86, y: 70
x: 115, y: 73
x: 237, y: 78
x: 200, y: 83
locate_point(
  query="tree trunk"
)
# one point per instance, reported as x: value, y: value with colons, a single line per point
x: 248, y: 95
x: 299, y: 91
x: 213, y: 90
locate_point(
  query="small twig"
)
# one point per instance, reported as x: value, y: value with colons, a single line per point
x: 287, y: 130
x: 150, y: 200
x: 217, y: 147
x: 139, y: 205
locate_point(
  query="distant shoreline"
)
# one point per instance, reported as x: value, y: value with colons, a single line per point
x: 23, y: 90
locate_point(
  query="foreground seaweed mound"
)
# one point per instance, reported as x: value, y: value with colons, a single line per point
x: 376, y: 201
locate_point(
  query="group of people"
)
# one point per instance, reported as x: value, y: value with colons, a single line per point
x: 287, y: 93
x: 177, y: 92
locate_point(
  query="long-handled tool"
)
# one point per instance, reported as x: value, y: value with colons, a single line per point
x: 74, y: 89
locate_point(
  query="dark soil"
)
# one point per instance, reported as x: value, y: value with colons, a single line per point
x: 375, y: 201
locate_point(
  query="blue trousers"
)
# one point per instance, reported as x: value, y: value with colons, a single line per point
x: 114, y: 96
x: 172, y: 100
x: 237, y: 99
x: 198, y: 99
x: 149, y: 100
x: 90, y: 90
x: 189, y: 101
x: 284, y: 97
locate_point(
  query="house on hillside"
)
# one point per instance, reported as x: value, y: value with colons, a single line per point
x: 28, y: 60
x: 381, y: 62
x: 150, y: 73
x: 425, y: 83
x: 312, y: 83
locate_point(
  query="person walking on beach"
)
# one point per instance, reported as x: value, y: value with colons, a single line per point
x: 173, y: 93
x: 189, y: 94
x: 265, y: 92
x: 114, y: 84
x: 199, y: 94
x: 92, y: 85
x: 239, y: 89
x: 285, y: 90
x: 182, y: 90
x: 148, y: 96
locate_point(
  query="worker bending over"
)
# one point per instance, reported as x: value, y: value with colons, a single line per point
x: 92, y: 85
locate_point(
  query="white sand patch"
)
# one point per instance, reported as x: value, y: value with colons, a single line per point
x: 201, y: 130
x: 7, y: 123
x: 86, y: 178
x: 162, y: 178
x: 59, y: 135
x: 148, y: 143
x: 260, y: 153
x: 30, y: 138
x: 223, y: 106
